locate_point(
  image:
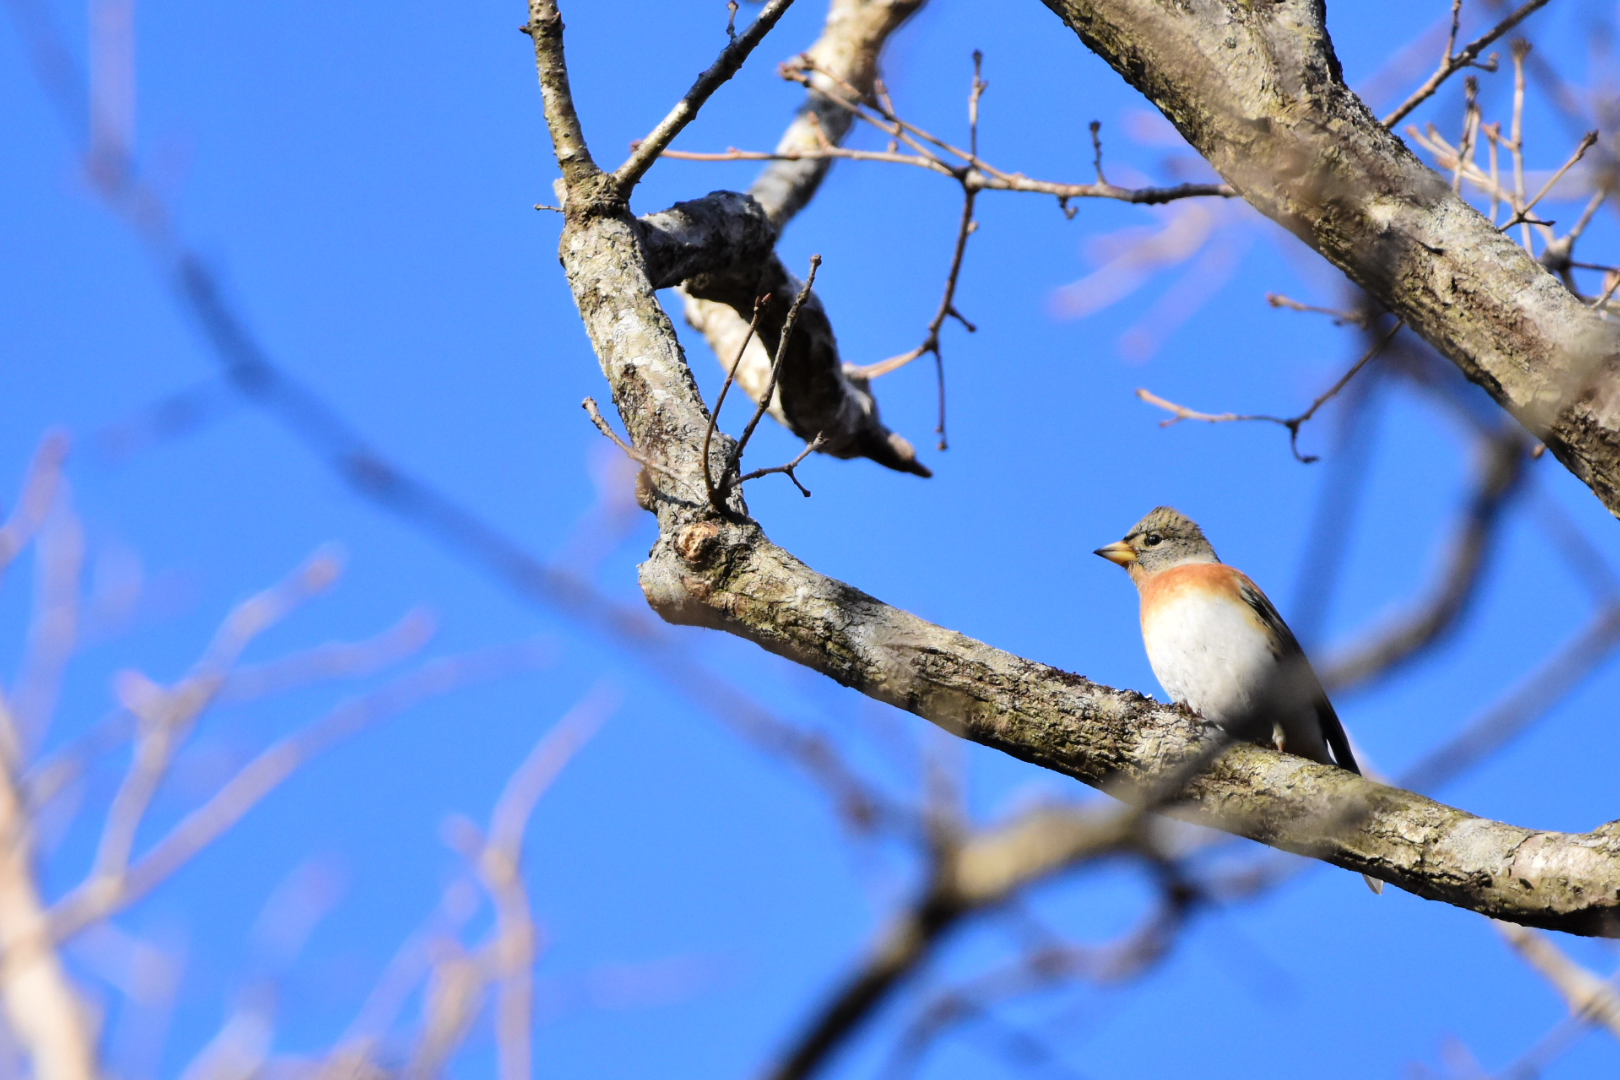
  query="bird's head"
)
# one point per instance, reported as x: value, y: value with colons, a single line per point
x: 1165, y: 538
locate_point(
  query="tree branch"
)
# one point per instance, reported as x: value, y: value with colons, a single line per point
x: 1455, y: 62
x: 818, y: 394
x: 545, y: 29
x: 1259, y: 92
x: 685, y: 111
x: 1590, y: 998
x: 968, y: 875
x: 722, y: 572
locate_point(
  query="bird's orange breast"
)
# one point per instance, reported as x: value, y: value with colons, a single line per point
x: 1214, y: 580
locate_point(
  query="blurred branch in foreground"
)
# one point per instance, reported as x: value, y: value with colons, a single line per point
x: 47, y: 1013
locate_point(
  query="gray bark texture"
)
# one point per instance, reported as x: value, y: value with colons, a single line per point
x: 716, y: 567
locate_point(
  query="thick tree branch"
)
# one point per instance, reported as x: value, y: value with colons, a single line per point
x: 1258, y: 91
x: 732, y: 578
x: 721, y: 571
x: 723, y: 232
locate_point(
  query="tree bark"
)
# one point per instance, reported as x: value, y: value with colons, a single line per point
x: 715, y: 567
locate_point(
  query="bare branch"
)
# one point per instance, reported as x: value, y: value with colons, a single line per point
x: 723, y: 573
x: 935, y: 154
x: 716, y: 497
x: 1292, y: 423
x: 1523, y: 214
x: 600, y: 422
x: 685, y: 111
x: 43, y: 1010
x: 966, y: 876
x: 39, y: 492
x: 1340, y: 318
x: 764, y: 402
x: 166, y: 715
x: 118, y: 882
x: 1590, y: 998
x: 1053, y: 965
x: 1455, y: 62
x: 809, y: 448
x: 819, y: 394
x: 987, y: 181
x: 1360, y: 199
x: 545, y: 28
x: 513, y: 945
x: 1527, y: 702
x: 849, y: 49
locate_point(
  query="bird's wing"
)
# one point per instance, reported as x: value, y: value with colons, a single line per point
x: 1286, y: 648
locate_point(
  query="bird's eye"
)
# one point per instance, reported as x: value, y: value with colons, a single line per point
x: 1153, y: 539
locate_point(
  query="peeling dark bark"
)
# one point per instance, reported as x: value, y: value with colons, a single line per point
x: 818, y: 394
x: 721, y: 233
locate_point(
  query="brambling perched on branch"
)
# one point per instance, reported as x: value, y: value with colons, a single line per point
x: 1218, y: 646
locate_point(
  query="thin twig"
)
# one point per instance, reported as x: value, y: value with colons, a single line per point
x: 970, y: 179
x: 40, y: 485
x: 770, y: 388
x: 716, y: 499
x: 1471, y: 120
x: 1340, y: 318
x: 595, y: 413
x: 1520, y: 50
x: 1610, y: 284
x: 933, y: 153
x: 1586, y: 144
x: 99, y: 896
x: 809, y: 448
x: 1292, y: 423
x: 1493, y: 134
x: 513, y: 942
x: 685, y: 111
x: 990, y: 181
x: 1455, y: 62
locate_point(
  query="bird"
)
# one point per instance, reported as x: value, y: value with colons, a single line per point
x: 1218, y: 646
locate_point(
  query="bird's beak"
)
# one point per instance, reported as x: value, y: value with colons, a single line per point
x: 1119, y: 552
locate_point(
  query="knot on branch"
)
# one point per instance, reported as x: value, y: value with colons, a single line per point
x: 723, y: 232
x: 695, y: 543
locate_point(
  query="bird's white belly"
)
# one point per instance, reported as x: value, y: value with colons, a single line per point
x: 1213, y: 657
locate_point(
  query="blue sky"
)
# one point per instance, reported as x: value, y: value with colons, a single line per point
x: 361, y: 179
